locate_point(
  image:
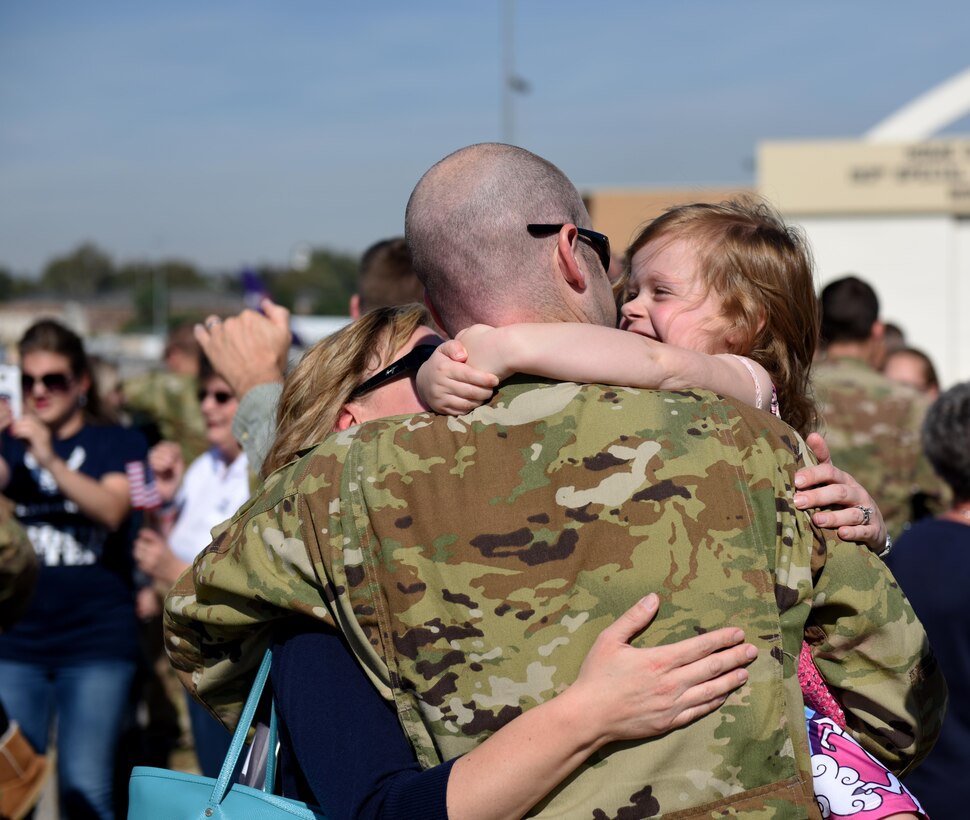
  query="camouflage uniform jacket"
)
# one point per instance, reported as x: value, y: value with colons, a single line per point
x: 471, y: 562
x: 171, y: 401
x: 872, y: 425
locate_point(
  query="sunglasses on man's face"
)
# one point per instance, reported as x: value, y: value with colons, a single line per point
x: 599, y: 242
x: 220, y: 396
x: 410, y: 361
x: 53, y: 382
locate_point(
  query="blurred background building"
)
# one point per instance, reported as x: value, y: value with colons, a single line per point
x: 892, y: 207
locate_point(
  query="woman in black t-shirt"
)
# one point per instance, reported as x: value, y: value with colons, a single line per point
x: 72, y: 656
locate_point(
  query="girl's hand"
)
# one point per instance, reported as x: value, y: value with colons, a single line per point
x: 168, y: 464
x: 824, y: 485
x: 637, y: 693
x: 37, y: 435
x: 448, y: 385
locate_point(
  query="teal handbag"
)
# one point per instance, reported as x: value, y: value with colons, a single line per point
x: 161, y: 794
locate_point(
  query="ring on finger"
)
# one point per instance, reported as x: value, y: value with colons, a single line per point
x: 211, y: 322
x: 866, y: 514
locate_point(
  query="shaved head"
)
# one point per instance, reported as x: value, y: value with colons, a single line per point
x: 466, y: 227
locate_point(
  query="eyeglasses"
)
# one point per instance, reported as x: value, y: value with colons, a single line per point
x: 412, y: 360
x: 599, y: 242
x: 53, y: 382
x: 220, y: 396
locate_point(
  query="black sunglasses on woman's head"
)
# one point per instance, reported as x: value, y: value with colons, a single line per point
x: 411, y: 360
x: 599, y: 242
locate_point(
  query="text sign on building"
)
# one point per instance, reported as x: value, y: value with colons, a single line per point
x: 860, y: 177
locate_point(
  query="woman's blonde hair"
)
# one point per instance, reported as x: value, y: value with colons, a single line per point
x: 761, y: 270
x: 316, y: 390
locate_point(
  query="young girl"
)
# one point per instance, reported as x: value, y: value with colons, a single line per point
x: 719, y: 297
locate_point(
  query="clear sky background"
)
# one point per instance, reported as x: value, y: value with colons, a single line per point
x: 231, y: 133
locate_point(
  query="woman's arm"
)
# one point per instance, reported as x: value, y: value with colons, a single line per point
x: 104, y: 500
x: 365, y: 768
x: 581, y: 353
x: 6, y: 417
x: 622, y: 693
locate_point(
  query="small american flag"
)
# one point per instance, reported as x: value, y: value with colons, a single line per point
x: 141, y: 486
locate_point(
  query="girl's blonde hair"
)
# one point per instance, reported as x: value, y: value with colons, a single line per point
x: 762, y: 271
x: 316, y: 390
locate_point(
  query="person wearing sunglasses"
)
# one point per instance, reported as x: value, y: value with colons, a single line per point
x: 72, y: 657
x: 473, y: 566
x: 196, y: 498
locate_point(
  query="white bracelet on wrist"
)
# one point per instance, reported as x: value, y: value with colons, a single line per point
x: 888, y: 549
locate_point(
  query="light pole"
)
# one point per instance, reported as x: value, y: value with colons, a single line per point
x: 512, y: 83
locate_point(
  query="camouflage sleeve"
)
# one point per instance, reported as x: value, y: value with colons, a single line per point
x: 219, y: 616
x: 170, y: 402
x: 872, y: 650
x: 254, y: 425
x: 18, y: 567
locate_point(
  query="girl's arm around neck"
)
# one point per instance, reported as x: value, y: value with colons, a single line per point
x: 594, y: 354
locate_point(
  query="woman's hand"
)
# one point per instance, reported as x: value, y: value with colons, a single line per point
x: 634, y: 693
x: 824, y: 485
x: 155, y: 557
x: 449, y: 386
x: 6, y: 415
x: 168, y: 464
x: 37, y: 436
x: 622, y: 693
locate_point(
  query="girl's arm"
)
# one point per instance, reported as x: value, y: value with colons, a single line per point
x: 580, y: 353
x: 462, y: 374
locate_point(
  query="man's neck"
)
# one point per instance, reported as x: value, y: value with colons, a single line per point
x: 851, y: 350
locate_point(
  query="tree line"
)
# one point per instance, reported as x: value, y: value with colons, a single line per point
x: 323, y: 286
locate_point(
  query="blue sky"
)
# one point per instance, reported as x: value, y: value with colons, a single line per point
x: 231, y: 133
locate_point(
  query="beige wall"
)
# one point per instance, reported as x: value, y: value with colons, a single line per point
x: 866, y: 178
x: 619, y: 213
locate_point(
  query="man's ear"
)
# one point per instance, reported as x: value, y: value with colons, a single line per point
x: 354, y: 307
x: 878, y: 330
x: 566, y: 262
x: 346, y: 418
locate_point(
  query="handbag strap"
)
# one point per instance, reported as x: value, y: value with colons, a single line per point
x: 271, y: 756
x: 239, y: 736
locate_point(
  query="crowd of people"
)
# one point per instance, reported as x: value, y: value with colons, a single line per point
x: 553, y: 543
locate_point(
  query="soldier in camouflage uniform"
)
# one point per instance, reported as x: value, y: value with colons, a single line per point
x: 871, y: 423
x: 470, y: 563
x: 168, y: 399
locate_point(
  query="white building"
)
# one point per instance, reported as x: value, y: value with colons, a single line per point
x: 892, y: 207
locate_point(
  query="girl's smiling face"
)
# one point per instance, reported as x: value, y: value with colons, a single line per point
x: 668, y: 300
